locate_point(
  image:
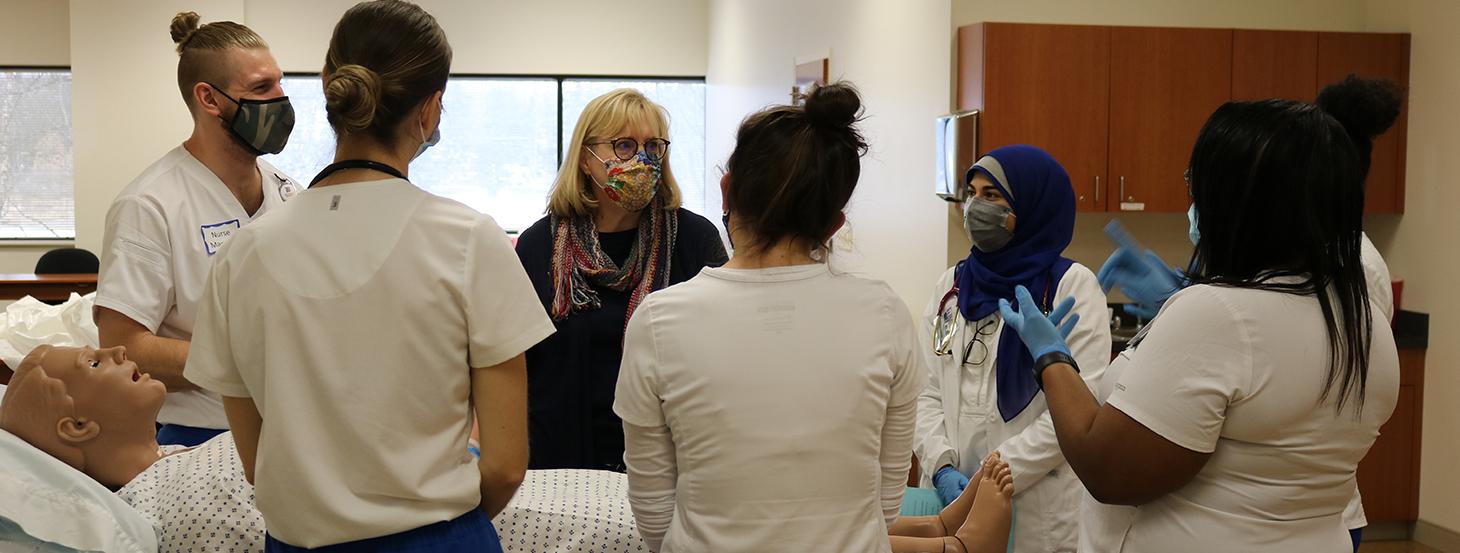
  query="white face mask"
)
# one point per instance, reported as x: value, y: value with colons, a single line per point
x: 1194, y: 233
x: 427, y: 141
x: 984, y: 223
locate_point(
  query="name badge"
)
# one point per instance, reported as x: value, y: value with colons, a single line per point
x: 287, y: 189
x: 215, y: 235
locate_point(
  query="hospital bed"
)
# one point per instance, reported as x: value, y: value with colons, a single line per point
x: 554, y: 511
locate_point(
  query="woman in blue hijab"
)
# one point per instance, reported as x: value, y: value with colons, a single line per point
x: 981, y: 396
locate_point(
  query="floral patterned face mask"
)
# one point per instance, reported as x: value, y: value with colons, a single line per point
x: 633, y: 183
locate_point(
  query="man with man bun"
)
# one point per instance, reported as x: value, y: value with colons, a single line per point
x: 164, y: 228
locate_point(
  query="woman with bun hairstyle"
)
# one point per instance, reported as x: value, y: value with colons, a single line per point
x: 768, y: 404
x: 1020, y: 215
x: 1366, y: 108
x: 358, y: 332
x: 614, y: 232
x: 1236, y: 419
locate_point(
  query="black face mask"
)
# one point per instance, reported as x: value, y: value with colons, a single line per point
x: 262, y: 125
x: 726, y: 219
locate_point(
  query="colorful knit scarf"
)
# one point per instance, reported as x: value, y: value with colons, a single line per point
x: 578, y: 259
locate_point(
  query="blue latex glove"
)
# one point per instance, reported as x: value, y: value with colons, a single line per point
x: 950, y: 484
x: 1143, y: 277
x: 1141, y: 274
x: 1041, y: 334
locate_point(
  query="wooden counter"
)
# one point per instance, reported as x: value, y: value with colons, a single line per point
x: 46, y: 287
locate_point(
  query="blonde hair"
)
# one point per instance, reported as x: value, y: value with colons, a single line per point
x: 385, y: 58
x: 200, y: 50
x: 606, y: 115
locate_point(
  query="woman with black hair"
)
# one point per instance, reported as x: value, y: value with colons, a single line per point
x: 768, y: 404
x: 1246, y: 404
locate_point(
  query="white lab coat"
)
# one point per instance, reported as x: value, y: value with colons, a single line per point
x: 959, y: 421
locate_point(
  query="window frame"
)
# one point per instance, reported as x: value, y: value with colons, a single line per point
x: 43, y: 242
x: 558, y: 78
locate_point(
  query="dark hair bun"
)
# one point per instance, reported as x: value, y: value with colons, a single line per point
x: 183, y: 26
x: 1365, y: 107
x: 353, y: 92
x: 836, y: 104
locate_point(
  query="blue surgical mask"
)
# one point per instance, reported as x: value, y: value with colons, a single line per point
x: 428, y: 142
x: 1194, y: 233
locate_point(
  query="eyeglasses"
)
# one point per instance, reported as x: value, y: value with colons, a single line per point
x: 626, y: 148
x: 985, y: 329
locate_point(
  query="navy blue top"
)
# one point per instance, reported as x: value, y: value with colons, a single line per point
x: 571, y: 375
x: 1039, y: 193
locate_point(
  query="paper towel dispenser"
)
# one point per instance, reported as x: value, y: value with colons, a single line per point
x: 957, y: 145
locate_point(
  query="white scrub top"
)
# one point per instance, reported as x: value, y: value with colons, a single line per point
x: 1381, y: 296
x: 161, y: 234
x: 1238, y: 373
x: 959, y: 421
x: 353, y: 317
x: 786, y: 398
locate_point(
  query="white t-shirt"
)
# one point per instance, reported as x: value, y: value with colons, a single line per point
x: 352, y: 316
x: 1238, y: 373
x: 1376, y: 274
x: 778, y: 386
x: 198, y: 500
x: 161, y: 234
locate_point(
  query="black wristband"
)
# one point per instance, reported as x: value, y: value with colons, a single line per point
x: 1048, y: 359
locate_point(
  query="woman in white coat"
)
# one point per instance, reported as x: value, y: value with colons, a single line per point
x: 981, y: 396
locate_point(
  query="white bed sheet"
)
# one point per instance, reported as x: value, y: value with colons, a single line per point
x: 570, y: 510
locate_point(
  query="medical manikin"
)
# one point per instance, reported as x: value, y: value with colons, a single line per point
x: 93, y: 410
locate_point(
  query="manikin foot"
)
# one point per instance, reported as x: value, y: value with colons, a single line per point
x: 986, y: 530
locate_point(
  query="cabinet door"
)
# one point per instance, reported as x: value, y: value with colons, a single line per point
x: 1385, y: 474
x: 1374, y: 56
x: 1164, y: 83
x: 1274, y: 64
x: 1049, y: 86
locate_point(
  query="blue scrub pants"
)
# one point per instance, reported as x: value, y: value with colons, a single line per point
x: 472, y: 531
x: 1356, y: 534
x: 189, y: 436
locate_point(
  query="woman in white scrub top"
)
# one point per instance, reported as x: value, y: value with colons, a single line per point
x: 768, y: 404
x: 358, y: 331
x: 1246, y: 404
x: 1020, y: 215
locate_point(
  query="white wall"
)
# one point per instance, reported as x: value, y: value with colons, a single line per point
x: 532, y: 37
x: 34, y: 32
x: 897, y: 54
x: 1422, y: 250
x: 127, y: 111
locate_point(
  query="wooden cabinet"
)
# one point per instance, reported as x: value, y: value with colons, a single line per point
x: 1274, y: 64
x: 1122, y: 106
x: 1047, y: 85
x: 1164, y: 83
x: 1375, y: 56
x: 1389, y: 475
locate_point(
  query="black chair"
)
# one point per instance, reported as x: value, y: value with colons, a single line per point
x: 66, y: 261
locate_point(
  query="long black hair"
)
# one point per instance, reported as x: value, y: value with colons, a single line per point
x: 1279, y: 192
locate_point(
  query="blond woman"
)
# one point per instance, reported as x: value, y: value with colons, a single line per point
x: 614, y: 232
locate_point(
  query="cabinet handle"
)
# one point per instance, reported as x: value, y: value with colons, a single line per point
x: 1097, y: 188
x: 1122, y: 189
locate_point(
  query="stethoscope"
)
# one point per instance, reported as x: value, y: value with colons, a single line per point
x: 356, y: 164
x: 947, y: 323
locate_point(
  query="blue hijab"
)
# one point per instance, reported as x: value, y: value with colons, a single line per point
x: 1043, y: 201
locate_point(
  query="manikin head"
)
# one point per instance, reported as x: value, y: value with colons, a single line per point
x: 92, y: 409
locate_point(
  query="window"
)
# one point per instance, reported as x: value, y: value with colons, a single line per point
x: 500, y: 149
x: 37, y: 196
